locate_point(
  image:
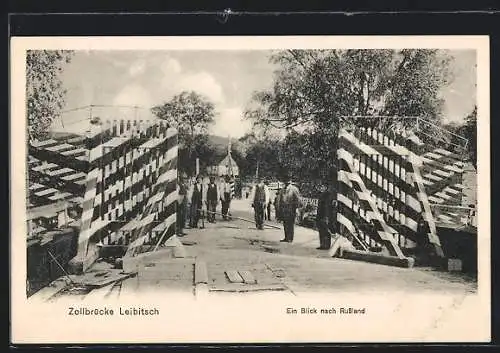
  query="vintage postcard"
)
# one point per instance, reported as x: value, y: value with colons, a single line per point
x: 250, y: 189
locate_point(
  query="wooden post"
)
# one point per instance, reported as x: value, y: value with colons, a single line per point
x: 197, y: 166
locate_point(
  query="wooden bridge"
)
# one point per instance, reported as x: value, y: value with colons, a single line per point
x: 395, y: 190
x: 117, y: 185
x: 120, y: 182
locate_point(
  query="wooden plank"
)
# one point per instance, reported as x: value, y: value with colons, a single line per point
x: 406, y: 262
x: 201, y: 290
x: 247, y: 277
x: 99, y: 293
x: 200, y: 272
x: 79, y: 151
x: 153, y: 142
x: 76, y: 140
x: 451, y: 191
x: 51, y: 290
x: 110, y: 277
x: 61, y: 147
x: 442, y: 173
x: 74, y: 176
x: 234, y: 276
x: 45, y: 192
x: 253, y: 288
x: 59, y: 171
x: 44, y: 167
x: 36, y: 186
x: 60, y: 196
x: 43, y: 143
x: 115, y: 142
x: 81, y: 181
x: 442, y: 195
x: 435, y: 199
x: 386, y: 151
x: 432, y: 177
x: 432, y: 156
x: 454, y: 168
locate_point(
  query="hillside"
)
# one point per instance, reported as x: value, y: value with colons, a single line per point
x: 220, y: 144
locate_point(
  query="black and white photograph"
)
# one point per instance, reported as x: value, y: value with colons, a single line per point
x: 318, y: 185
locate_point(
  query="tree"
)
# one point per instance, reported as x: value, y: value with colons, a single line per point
x: 45, y: 93
x: 316, y: 90
x: 462, y: 137
x: 263, y: 153
x: 469, y: 131
x: 192, y: 114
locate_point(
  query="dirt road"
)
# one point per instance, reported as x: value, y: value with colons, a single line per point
x: 283, y: 269
x: 299, y: 267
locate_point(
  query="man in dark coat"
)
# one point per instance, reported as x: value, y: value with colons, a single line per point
x: 424, y: 246
x: 277, y: 204
x: 225, y: 197
x: 260, y: 198
x: 212, y: 199
x: 196, y: 198
x: 181, y: 206
x: 324, y: 218
x: 290, y: 201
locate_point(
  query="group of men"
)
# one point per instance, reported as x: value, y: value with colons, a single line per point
x: 286, y: 204
x: 196, y: 197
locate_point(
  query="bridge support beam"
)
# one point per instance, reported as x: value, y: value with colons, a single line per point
x: 406, y: 262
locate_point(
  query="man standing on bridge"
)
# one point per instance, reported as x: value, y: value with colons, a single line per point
x: 324, y: 217
x: 225, y: 197
x: 277, y: 203
x: 195, y: 195
x: 212, y: 199
x: 267, y: 211
x: 181, y: 206
x: 290, y: 201
x: 260, y: 198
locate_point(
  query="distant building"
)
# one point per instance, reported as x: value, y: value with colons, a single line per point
x: 225, y: 167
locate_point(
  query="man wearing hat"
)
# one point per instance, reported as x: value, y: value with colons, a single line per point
x: 325, y: 217
x: 267, y: 211
x: 260, y: 198
x: 289, y: 202
x: 181, y: 205
x: 225, y: 196
x: 212, y: 199
x: 196, y: 197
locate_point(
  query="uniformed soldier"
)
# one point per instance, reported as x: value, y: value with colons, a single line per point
x: 290, y: 201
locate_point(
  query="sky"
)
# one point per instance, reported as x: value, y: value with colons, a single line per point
x: 228, y: 78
